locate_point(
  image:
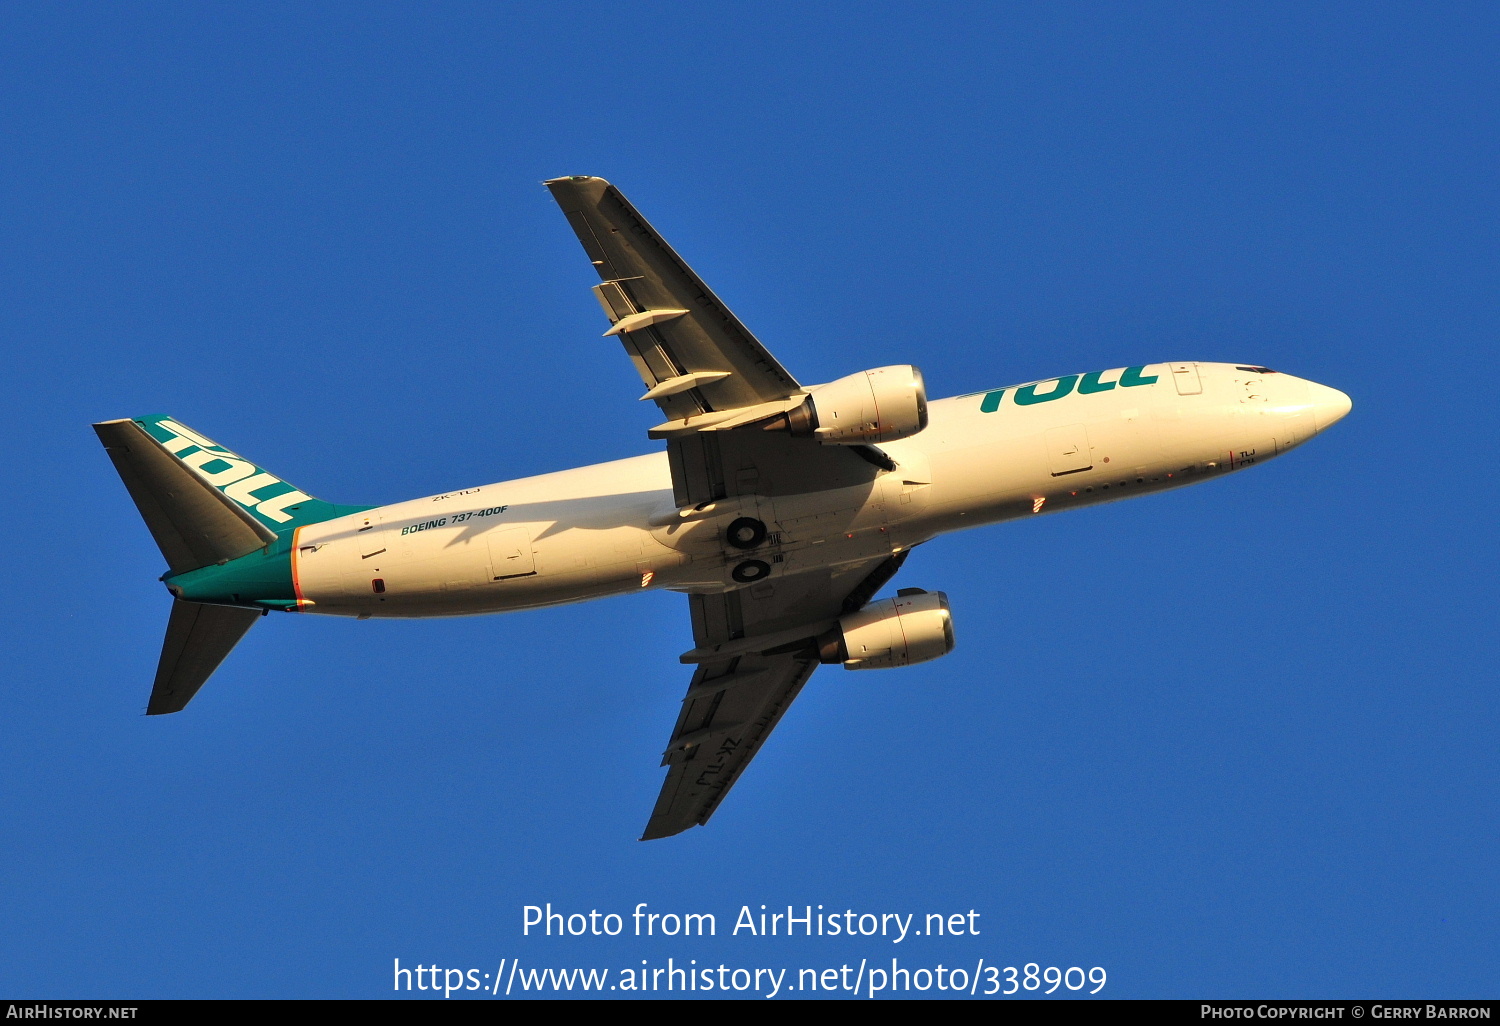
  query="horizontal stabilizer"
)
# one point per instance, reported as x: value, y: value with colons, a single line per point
x: 194, y: 523
x: 198, y: 639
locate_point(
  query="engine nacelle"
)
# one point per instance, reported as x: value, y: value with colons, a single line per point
x: 879, y: 405
x: 913, y: 627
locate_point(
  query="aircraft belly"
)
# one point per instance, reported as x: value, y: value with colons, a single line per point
x: 403, y: 566
x: 462, y: 579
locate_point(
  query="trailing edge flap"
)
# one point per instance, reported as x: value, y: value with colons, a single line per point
x: 194, y: 523
x: 691, y: 352
x: 198, y: 639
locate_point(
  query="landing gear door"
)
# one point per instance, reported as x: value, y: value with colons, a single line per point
x: 511, y: 554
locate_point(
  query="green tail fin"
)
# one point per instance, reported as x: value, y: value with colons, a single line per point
x: 204, y: 503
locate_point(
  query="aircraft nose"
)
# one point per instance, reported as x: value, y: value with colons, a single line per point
x: 1329, y: 405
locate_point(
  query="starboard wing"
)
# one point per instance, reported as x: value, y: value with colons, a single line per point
x: 692, y: 353
x: 712, y: 378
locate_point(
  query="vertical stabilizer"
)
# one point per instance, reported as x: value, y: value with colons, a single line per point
x: 194, y: 523
x: 204, y: 503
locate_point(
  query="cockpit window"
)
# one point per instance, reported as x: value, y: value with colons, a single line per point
x: 1257, y: 370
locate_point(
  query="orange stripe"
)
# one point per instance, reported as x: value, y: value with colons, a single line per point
x: 296, y: 584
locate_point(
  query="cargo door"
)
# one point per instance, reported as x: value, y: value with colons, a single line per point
x: 510, y: 554
x: 1068, y: 449
x: 1185, y: 377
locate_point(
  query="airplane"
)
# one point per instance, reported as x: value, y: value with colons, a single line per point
x: 780, y: 510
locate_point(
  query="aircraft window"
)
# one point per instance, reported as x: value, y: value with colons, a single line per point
x: 378, y: 586
x: 1257, y: 370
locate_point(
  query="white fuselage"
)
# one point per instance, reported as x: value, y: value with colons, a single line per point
x: 614, y: 528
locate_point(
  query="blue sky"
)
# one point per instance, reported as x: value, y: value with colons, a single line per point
x: 1236, y: 740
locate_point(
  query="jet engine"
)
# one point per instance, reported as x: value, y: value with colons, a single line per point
x: 879, y: 405
x: 913, y: 627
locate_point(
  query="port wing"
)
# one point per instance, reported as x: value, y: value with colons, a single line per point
x: 753, y: 656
